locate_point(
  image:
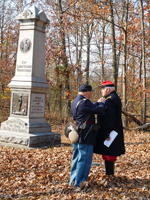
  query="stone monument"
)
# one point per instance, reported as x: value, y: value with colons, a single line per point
x: 26, y: 124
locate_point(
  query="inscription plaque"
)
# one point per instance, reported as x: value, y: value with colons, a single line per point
x: 24, y: 68
x: 20, y: 104
x: 37, y: 105
x: 14, y: 125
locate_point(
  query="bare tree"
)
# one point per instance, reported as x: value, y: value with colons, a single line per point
x: 100, y: 37
x: 124, y: 58
x: 114, y: 57
x: 143, y: 63
x: 79, y: 44
x: 63, y: 46
x: 89, y: 32
x: 2, y: 24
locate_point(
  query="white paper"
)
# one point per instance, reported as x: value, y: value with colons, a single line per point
x: 112, y: 135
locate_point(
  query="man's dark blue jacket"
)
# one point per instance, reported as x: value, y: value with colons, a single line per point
x: 85, y: 108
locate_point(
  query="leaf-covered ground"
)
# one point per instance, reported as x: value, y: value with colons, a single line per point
x: 44, y: 173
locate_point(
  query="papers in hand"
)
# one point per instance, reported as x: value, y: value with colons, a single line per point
x: 112, y: 135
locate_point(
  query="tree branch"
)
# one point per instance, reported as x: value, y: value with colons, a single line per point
x: 143, y: 127
x: 132, y: 117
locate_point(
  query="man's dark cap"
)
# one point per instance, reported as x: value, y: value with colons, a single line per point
x: 85, y: 88
x: 107, y: 83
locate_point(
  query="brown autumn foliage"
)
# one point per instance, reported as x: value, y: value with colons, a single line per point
x: 44, y: 173
x: 76, y: 16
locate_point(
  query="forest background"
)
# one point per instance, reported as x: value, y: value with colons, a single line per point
x: 86, y: 42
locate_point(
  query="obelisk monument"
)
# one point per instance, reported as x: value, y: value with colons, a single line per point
x: 26, y: 124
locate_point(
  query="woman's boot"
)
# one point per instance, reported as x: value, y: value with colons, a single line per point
x: 109, y: 167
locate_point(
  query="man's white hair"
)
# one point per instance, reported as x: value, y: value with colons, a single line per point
x: 111, y: 88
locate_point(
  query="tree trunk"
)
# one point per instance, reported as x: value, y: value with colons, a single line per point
x: 124, y: 62
x: 69, y: 48
x: 118, y: 54
x: 63, y: 48
x: 143, y: 63
x: 77, y: 60
x: 114, y: 62
x: 102, y: 55
x: 78, y: 43
x: 140, y: 82
x: 88, y: 55
x: 80, y: 55
x: 1, y: 26
x: 89, y: 36
x: 101, y: 51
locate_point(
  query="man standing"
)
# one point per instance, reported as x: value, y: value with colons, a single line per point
x: 83, y: 149
x: 111, y: 121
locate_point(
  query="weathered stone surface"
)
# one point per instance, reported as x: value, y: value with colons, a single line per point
x: 30, y: 140
x: 16, y: 125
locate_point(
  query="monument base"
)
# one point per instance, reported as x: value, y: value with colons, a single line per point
x: 27, y: 126
x: 30, y: 140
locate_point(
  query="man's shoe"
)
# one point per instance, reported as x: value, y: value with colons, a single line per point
x: 83, y: 184
x: 77, y: 189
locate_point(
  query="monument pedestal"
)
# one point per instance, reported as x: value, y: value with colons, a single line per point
x: 30, y: 140
x: 26, y: 124
x: 31, y: 134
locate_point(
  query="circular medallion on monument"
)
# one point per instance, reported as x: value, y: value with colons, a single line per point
x: 25, y: 45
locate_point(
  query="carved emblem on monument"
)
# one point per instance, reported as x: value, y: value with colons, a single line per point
x: 25, y: 13
x: 25, y: 45
x: 20, y: 104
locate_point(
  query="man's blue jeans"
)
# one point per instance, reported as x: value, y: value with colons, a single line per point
x: 81, y: 163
